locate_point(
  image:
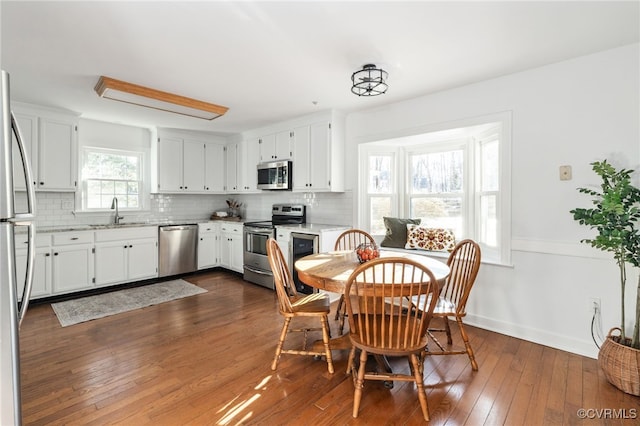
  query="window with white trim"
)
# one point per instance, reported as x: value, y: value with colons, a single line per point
x: 456, y: 179
x: 110, y: 173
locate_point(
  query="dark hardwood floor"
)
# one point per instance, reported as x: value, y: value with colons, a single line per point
x: 205, y: 360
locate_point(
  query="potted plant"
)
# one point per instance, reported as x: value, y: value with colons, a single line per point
x: 615, y: 215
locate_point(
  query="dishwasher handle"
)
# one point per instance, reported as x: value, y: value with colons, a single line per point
x: 177, y: 228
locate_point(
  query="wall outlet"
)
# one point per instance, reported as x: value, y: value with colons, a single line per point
x: 67, y: 205
x: 594, y: 305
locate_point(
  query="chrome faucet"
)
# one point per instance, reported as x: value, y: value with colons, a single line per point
x: 114, y: 205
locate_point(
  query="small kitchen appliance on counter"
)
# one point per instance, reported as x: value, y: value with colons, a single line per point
x: 256, y: 234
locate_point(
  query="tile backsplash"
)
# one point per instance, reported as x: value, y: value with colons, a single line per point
x: 58, y: 208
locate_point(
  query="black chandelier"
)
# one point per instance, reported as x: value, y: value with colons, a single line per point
x: 369, y: 81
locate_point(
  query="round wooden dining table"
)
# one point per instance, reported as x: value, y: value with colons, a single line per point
x: 330, y: 271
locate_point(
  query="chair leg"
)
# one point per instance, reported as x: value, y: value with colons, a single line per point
x: 339, y: 308
x: 283, y: 336
x: 448, y: 330
x: 343, y: 314
x: 467, y: 345
x: 422, y: 395
x: 357, y: 395
x: 352, y: 356
x: 325, y: 340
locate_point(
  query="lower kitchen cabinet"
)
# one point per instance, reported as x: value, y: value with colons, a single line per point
x: 72, y: 267
x: 208, y: 245
x: 231, y: 250
x: 123, y: 255
x: 42, y: 268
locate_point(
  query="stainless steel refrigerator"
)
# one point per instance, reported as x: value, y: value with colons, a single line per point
x: 13, y: 306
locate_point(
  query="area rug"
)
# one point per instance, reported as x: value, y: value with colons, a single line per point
x: 102, y: 305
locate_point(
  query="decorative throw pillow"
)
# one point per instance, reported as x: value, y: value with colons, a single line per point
x: 434, y: 239
x: 396, y: 235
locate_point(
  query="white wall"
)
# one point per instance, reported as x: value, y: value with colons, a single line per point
x: 570, y: 113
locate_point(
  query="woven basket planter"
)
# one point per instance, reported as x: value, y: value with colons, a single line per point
x: 620, y: 364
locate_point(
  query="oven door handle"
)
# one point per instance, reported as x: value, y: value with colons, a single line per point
x: 256, y: 230
x: 258, y: 271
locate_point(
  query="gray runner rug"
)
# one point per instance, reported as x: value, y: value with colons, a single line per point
x: 102, y: 305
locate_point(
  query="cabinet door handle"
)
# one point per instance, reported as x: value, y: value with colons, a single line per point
x: 74, y: 238
x: 55, y: 254
x: 47, y: 254
x: 41, y: 183
x: 125, y: 246
x: 130, y: 246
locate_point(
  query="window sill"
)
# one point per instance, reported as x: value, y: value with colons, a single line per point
x: 441, y: 255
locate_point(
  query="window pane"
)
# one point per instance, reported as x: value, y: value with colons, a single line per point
x: 111, y: 174
x: 489, y: 166
x: 488, y: 220
x: 132, y: 201
x: 439, y: 172
x: 379, y: 174
x: 132, y: 188
x: 380, y: 207
x: 439, y: 212
x: 120, y: 188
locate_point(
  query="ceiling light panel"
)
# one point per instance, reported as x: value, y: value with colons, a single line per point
x: 111, y: 88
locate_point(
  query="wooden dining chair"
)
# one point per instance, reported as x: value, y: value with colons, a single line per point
x: 464, y: 263
x: 382, y: 322
x: 292, y: 305
x: 349, y: 240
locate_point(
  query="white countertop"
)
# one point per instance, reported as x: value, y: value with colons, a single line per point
x: 96, y: 227
x: 313, y: 228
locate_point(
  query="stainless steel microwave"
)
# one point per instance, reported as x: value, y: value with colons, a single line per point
x: 275, y: 175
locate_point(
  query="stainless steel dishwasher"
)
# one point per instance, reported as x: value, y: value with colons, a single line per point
x: 177, y: 249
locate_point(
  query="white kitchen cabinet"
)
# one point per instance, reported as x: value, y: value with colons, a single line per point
x: 193, y: 166
x: 275, y: 147
x: 170, y: 165
x: 232, y: 163
x: 241, y: 171
x: 250, y: 157
x: 214, y: 167
x: 231, y: 250
x: 318, y: 158
x: 72, y: 264
x: 42, y: 266
x: 188, y: 165
x: 208, y: 245
x: 283, y: 237
x: 28, y: 125
x: 51, y: 146
x: 124, y: 255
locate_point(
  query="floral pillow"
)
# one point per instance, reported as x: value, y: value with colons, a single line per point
x: 434, y: 239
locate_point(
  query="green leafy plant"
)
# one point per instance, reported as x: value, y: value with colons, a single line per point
x: 615, y: 217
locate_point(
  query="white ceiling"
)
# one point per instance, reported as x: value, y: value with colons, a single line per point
x: 271, y: 61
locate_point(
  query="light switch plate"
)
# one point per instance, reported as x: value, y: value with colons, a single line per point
x: 565, y: 172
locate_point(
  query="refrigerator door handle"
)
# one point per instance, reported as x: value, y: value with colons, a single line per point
x: 28, y: 175
x: 26, y: 219
x: 31, y: 252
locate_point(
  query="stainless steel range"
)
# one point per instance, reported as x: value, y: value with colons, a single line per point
x: 256, y: 234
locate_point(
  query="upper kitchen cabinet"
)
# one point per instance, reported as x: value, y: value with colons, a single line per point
x: 276, y: 147
x: 51, y: 144
x: 241, y: 161
x: 185, y: 165
x: 318, y: 158
x: 214, y: 167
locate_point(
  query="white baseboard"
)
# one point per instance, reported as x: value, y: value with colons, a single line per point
x: 542, y: 337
